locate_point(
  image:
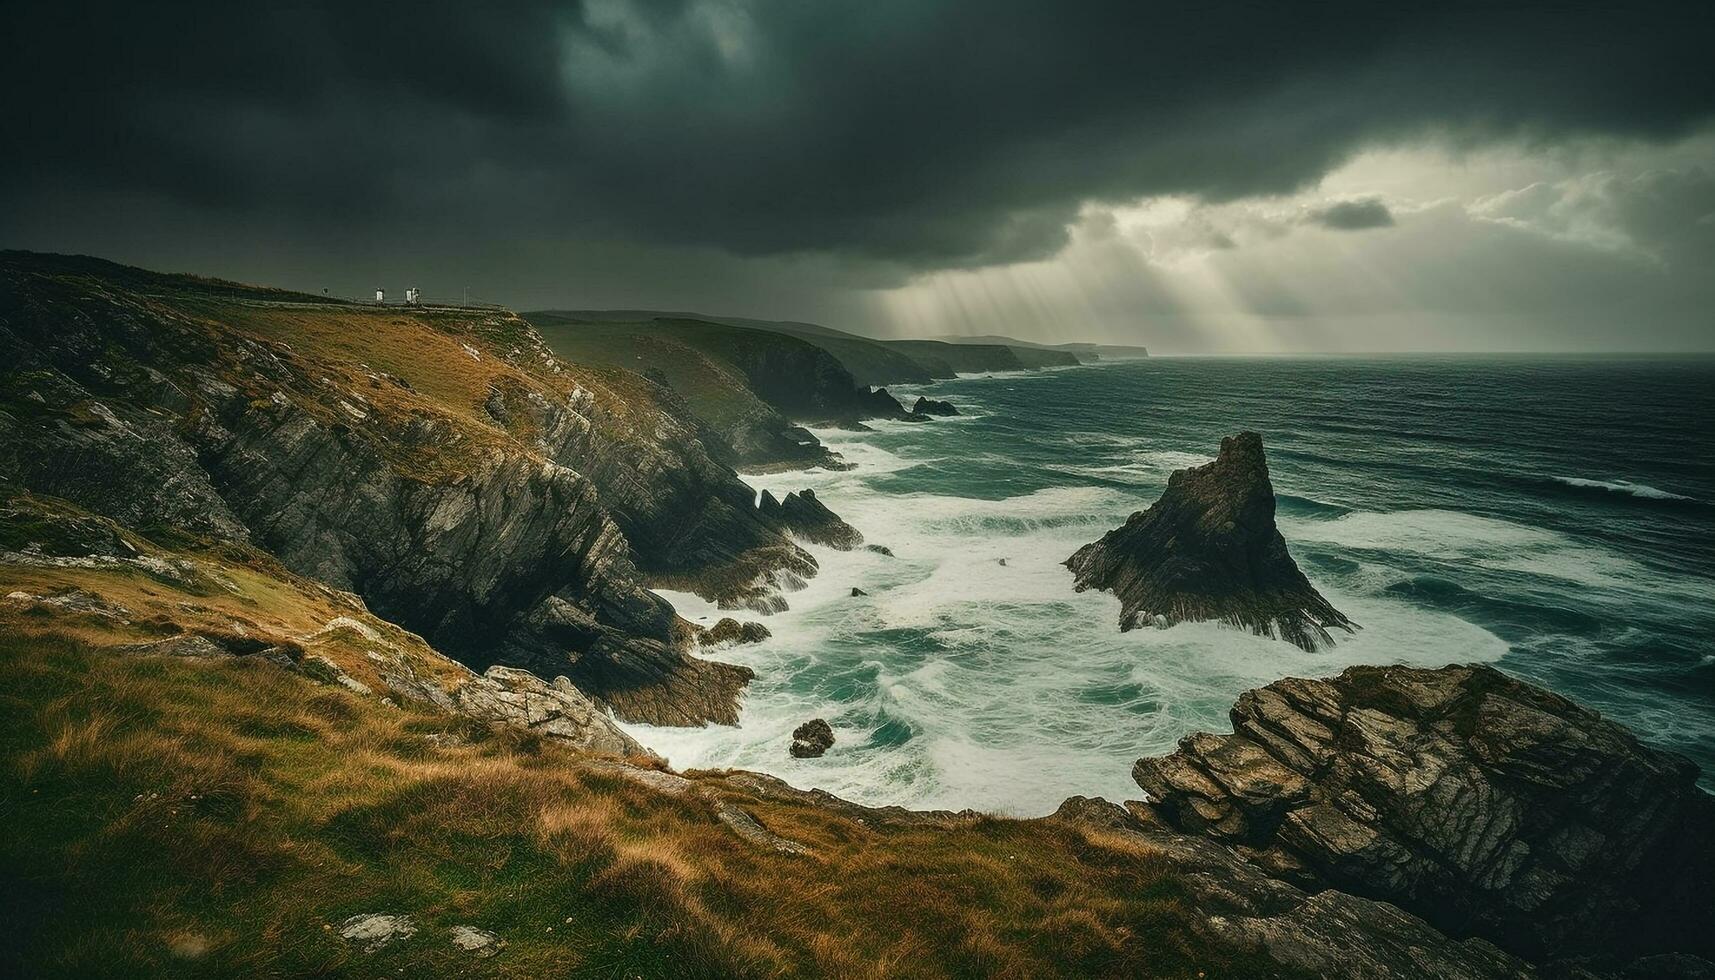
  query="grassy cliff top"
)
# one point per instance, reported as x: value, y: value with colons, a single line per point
x: 173, y: 816
x: 689, y: 356
x: 374, y: 369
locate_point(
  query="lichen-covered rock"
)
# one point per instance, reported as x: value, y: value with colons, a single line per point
x: 506, y: 695
x: 1489, y: 807
x: 373, y: 930
x: 1209, y: 550
x: 812, y: 739
x: 478, y: 942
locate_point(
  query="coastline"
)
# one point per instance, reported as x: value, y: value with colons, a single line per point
x: 920, y: 718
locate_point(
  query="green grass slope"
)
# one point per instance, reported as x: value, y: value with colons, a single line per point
x: 870, y: 361
x: 752, y: 386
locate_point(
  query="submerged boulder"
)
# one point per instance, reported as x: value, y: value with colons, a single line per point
x: 933, y: 406
x: 1209, y: 550
x: 811, y: 739
x: 1487, y: 806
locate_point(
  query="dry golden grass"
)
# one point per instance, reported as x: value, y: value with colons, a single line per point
x: 240, y: 597
x: 170, y: 817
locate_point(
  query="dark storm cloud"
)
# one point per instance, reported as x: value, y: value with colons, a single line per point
x: 1352, y: 215
x: 928, y: 135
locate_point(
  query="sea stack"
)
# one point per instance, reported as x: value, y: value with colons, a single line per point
x: 933, y: 406
x: 1209, y: 550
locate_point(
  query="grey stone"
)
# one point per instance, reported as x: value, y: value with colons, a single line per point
x: 510, y: 696
x: 478, y: 942
x: 373, y: 930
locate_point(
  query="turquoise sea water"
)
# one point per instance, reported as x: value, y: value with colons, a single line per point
x: 1552, y: 516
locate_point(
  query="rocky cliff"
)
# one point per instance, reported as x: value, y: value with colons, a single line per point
x: 67, y: 572
x: 1209, y: 550
x: 1487, y: 806
x: 755, y: 388
x: 443, y: 464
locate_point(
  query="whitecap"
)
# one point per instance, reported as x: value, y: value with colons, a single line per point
x: 1642, y: 490
x: 1458, y: 540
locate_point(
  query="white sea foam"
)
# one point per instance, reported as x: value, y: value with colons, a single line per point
x: 1015, y: 690
x: 1151, y: 467
x: 1643, y: 490
x: 1468, y: 540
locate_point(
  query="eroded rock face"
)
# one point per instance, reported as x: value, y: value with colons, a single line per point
x: 1488, y: 806
x: 494, y: 526
x: 1209, y: 550
x: 933, y: 406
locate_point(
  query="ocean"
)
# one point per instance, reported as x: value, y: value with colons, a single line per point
x: 1554, y: 517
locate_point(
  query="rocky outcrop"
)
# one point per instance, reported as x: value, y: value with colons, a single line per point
x: 1487, y: 806
x: 474, y: 492
x: 933, y: 406
x: 812, y: 739
x: 810, y: 519
x: 729, y: 631
x: 1209, y: 550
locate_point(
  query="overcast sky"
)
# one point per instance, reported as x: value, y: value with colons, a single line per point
x: 1224, y: 176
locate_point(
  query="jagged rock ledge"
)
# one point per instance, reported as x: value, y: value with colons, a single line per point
x: 1209, y: 550
x: 1487, y: 806
x: 810, y: 519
